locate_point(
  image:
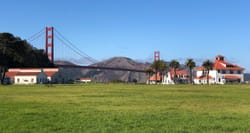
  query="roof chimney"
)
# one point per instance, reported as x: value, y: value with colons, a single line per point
x: 220, y: 58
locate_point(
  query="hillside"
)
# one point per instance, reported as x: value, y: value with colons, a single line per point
x: 61, y: 62
x: 108, y: 75
x: 121, y: 62
x: 118, y: 62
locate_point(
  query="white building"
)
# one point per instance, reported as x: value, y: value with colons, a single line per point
x: 181, y: 77
x: 223, y: 72
x: 168, y: 78
x: 31, y: 75
x: 85, y: 80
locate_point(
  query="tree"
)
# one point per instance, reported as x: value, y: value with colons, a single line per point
x: 163, y: 69
x: 159, y: 66
x: 208, y: 65
x: 174, y: 64
x: 190, y: 64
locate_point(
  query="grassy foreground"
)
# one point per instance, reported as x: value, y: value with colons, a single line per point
x: 125, y: 108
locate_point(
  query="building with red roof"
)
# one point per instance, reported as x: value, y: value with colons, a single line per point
x: 31, y: 75
x: 222, y: 72
x: 168, y: 78
x: 85, y: 80
x: 155, y: 78
x: 180, y: 77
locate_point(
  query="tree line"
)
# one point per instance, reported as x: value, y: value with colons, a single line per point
x: 159, y: 66
x: 15, y: 53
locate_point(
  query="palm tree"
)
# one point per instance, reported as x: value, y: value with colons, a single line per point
x: 174, y: 64
x: 158, y: 66
x: 208, y: 65
x: 149, y: 71
x: 190, y: 64
x: 155, y: 66
x: 163, y: 69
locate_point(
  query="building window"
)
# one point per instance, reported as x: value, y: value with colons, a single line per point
x: 231, y: 72
x: 204, y: 72
x: 218, y: 71
x: 18, y: 80
x: 32, y: 80
x: 223, y: 72
x: 239, y: 72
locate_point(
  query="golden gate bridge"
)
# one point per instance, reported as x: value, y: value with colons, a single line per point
x: 51, y: 34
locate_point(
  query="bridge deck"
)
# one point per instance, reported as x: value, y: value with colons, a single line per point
x: 102, y: 68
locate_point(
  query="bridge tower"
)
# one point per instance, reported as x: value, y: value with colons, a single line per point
x: 157, y: 55
x: 49, y: 43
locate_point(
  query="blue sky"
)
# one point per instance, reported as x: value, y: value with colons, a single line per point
x: 179, y: 29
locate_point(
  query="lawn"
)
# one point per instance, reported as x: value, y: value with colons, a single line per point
x: 119, y: 108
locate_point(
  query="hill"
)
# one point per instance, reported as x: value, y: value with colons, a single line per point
x: 108, y: 75
x: 62, y: 62
x: 118, y: 62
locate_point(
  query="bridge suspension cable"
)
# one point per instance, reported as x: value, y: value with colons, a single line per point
x: 70, y: 45
x: 36, y: 35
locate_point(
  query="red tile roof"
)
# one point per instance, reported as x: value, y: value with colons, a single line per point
x: 19, y: 71
x: 34, y: 68
x: 204, y: 77
x: 201, y: 68
x: 178, y: 72
x: 50, y: 74
x: 222, y: 65
x: 85, y: 79
x: 231, y: 77
x: 158, y: 77
x: 218, y: 64
x: 10, y: 74
x: 27, y: 74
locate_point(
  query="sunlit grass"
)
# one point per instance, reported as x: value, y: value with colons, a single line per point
x: 125, y: 108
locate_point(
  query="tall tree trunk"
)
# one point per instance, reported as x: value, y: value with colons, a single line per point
x: 174, y: 76
x: 190, y: 76
x: 156, y: 77
x: 2, y: 74
x: 148, y: 78
x: 208, y: 77
x: 162, y: 78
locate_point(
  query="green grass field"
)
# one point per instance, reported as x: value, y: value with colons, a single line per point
x: 125, y: 108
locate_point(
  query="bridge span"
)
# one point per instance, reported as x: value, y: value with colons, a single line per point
x: 101, y: 68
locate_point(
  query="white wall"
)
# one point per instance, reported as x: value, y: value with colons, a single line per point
x: 167, y: 79
x: 25, y: 79
x: 217, y: 78
x: 28, y: 79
